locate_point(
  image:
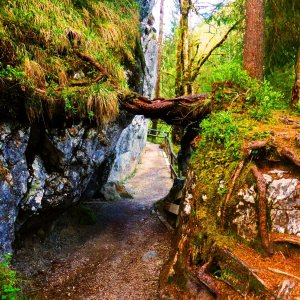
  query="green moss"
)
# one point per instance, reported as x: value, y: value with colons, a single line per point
x: 37, y: 43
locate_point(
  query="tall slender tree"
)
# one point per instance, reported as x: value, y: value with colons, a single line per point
x: 182, y: 61
x: 253, y: 59
x: 160, y: 48
x: 159, y: 60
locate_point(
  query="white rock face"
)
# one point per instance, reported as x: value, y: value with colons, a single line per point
x: 246, y: 216
x: 284, y: 204
x: 283, y: 196
x: 37, y: 182
x: 128, y: 149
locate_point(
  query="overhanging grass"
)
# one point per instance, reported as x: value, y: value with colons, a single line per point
x: 34, y: 39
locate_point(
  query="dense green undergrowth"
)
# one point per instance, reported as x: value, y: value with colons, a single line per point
x: 37, y: 42
x: 8, y: 280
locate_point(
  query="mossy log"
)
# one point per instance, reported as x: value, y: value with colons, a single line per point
x: 184, y: 110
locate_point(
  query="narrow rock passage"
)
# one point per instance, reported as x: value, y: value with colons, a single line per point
x: 123, y: 257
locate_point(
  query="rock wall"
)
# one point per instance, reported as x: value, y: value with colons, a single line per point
x: 133, y: 138
x: 43, y: 171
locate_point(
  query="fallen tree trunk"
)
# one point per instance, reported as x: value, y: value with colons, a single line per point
x: 183, y: 110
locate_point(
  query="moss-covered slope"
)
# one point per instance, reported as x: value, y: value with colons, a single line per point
x: 240, y: 217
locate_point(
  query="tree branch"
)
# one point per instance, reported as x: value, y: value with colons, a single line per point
x: 202, y: 60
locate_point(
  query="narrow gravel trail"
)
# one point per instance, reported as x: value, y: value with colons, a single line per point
x: 124, y: 252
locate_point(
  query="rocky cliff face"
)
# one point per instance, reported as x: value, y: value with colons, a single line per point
x: 45, y: 170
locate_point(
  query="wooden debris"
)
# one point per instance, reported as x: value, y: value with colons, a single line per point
x: 287, y: 238
x: 172, y: 208
x: 263, y: 226
x: 254, y: 146
x: 247, y: 267
x: 207, y: 280
x: 290, y: 155
x: 277, y: 271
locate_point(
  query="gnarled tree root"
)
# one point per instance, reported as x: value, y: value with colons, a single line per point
x: 262, y: 201
x: 229, y: 194
x: 285, y: 238
x: 291, y: 156
x: 207, y: 280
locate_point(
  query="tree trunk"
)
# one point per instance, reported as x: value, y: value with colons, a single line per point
x: 160, y: 46
x: 182, y: 63
x: 296, y: 89
x: 185, y: 8
x: 159, y: 61
x: 179, y: 64
x: 254, y: 39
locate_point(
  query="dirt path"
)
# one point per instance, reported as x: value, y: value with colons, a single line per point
x: 118, y: 258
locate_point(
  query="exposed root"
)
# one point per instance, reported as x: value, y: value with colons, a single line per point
x: 254, y: 146
x: 263, y: 226
x: 207, y: 280
x: 90, y: 60
x: 286, y: 120
x: 229, y: 194
x: 285, y: 238
x: 290, y: 155
x: 178, y: 111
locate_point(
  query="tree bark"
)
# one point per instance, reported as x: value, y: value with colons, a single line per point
x: 160, y: 48
x: 254, y: 39
x: 185, y: 9
x: 182, y: 111
x: 296, y: 88
x: 182, y: 64
x: 159, y: 61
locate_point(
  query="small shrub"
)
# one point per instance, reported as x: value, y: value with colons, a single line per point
x: 263, y: 98
x: 219, y: 128
x: 8, y: 280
